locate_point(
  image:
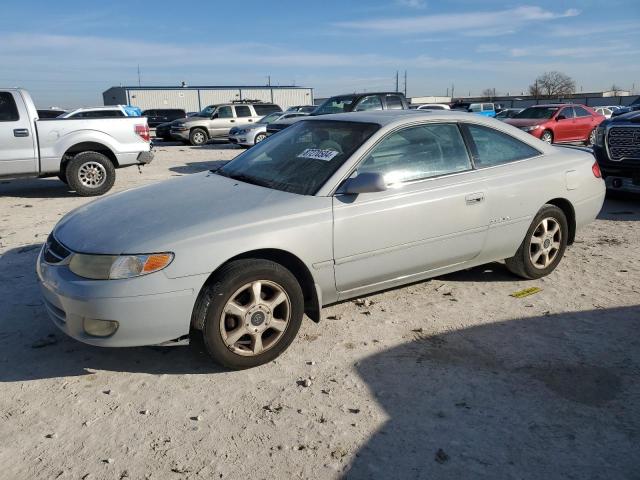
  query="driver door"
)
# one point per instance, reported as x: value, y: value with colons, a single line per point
x: 565, y: 129
x: 222, y: 121
x: 432, y: 215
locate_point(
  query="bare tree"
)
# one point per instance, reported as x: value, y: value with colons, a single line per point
x: 615, y: 88
x: 552, y: 84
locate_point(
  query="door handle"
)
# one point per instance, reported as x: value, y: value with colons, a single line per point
x: 232, y: 121
x: 20, y: 132
x: 250, y: 120
x: 474, y: 198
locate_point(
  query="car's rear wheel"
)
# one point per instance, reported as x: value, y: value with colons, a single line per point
x: 547, y: 136
x: 198, y: 136
x: 252, y: 311
x: 591, y: 140
x: 90, y: 174
x: 260, y: 137
x: 543, y: 246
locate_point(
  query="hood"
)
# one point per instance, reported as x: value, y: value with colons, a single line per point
x: 631, y: 116
x: 525, y: 122
x: 159, y: 217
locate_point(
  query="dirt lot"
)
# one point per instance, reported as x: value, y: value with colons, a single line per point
x: 450, y: 378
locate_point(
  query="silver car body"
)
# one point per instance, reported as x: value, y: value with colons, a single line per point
x: 348, y: 246
x: 245, y: 135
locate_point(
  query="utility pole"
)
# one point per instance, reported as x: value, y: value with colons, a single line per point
x: 139, y: 83
x: 447, y: 91
x: 405, y: 83
x: 268, y: 80
x: 452, y: 88
x: 397, y: 81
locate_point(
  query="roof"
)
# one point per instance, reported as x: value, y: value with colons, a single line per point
x: 207, y: 87
x: 386, y: 117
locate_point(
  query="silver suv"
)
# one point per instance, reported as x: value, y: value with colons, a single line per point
x: 215, y: 121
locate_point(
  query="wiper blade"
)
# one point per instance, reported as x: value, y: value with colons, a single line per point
x: 247, y: 179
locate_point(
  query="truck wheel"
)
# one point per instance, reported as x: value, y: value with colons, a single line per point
x: 543, y: 246
x: 90, y: 174
x: 547, y: 136
x: 250, y: 313
x: 63, y: 174
x: 198, y: 137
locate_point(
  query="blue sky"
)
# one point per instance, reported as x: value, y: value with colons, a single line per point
x: 68, y: 52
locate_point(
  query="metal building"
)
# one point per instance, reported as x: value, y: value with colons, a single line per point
x: 194, y: 99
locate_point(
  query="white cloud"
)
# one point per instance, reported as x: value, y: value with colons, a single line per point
x: 412, y: 3
x: 461, y: 22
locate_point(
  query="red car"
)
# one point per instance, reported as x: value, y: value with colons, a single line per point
x: 559, y: 123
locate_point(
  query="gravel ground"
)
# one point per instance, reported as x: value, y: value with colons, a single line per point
x: 449, y: 378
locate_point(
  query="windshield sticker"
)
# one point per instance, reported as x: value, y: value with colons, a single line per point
x: 318, y: 154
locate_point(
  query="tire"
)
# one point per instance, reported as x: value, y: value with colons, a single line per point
x: 198, y: 137
x: 63, y: 174
x: 547, y: 136
x: 259, y: 137
x: 591, y: 139
x: 229, y: 332
x: 522, y: 263
x: 90, y: 174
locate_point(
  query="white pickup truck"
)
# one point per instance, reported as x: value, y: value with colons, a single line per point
x: 84, y: 153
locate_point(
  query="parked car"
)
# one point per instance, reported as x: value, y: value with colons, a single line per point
x: 84, y: 153
x: 302, y: 108
x: 634, y: 107
x: 215, y: 121
x: 98, y: 112
x: 460, y: 105
x: 617, y: 148
x: 559, y: 123
x: 433, y: 106
x: 508, y: 113
x: 332, y: 208
x: 604, y: 111
x: 163, y: 131
x: 485, y: 109
x: 158, y: 116
x: 356, y: 102
x: 50, y: 113
x: 251, y: 133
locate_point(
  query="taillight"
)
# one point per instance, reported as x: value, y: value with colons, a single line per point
x: 596, y: 170
x: 143, y: 132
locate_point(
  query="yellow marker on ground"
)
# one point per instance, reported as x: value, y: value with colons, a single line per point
x: 526, y: 292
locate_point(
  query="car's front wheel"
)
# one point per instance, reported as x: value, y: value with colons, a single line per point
x: 198, y: 137
x: 260, y: 137
x: 547, y: 136
x: 252, y: 311
x: 543, y: 246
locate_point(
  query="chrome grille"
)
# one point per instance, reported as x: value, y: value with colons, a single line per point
x: 54, y: 251
x: 623, y: 143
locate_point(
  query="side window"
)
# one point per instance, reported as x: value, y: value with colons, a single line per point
x: 567, y: 112
x: 394, y: 102
x: 243, y: 111
x: 225, y: 112
x: 8, y: 108
x: 496, y: 148
x: 487, y: 107
x: 371, y: 102
x: 581, y: 112
x: 418, y: 152
x: 266, y: 109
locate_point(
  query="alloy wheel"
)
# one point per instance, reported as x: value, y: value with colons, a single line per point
x: 255, y: 317
x: 92, y: 174
x: 545, y: 243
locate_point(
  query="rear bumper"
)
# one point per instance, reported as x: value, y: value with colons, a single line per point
x: 145, y: 157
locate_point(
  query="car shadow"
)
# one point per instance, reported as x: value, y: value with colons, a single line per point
x: 35, y: 188
x: 621, y: 207
x: 544, y: 397
x: 195, y: 167
x: 32, y: 348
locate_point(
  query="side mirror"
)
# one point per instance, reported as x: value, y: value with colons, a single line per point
x: 366, y: 182
x: 215, y: 115
x: 560, y: 117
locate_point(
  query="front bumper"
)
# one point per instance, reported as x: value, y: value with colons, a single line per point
x: 242, y: 139
x: 144, y: 318
x: 145, y: 157
x: 182, y: 134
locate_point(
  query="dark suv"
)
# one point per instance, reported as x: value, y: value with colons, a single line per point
x: 355, y: 102
x: 162, y: 115
x: 617, y: 148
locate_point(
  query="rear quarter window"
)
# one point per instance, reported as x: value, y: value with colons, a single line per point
x: 262, y: 110
x: 8, y: 108
x: 491, y: 147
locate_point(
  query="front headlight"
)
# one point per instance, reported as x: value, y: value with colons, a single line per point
x: 531, y: 128
x: 111, y: 267
x: 180, y: 124
x: 242, y: 131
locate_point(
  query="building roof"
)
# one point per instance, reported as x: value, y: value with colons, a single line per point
x: 207, y: 87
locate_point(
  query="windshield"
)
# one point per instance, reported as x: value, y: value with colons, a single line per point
x: 537, y: 112
x: 300, y: 158
x: 206, y: 112
x: 475, y: 107
x: 335, y: 105
x: 272, y: 117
